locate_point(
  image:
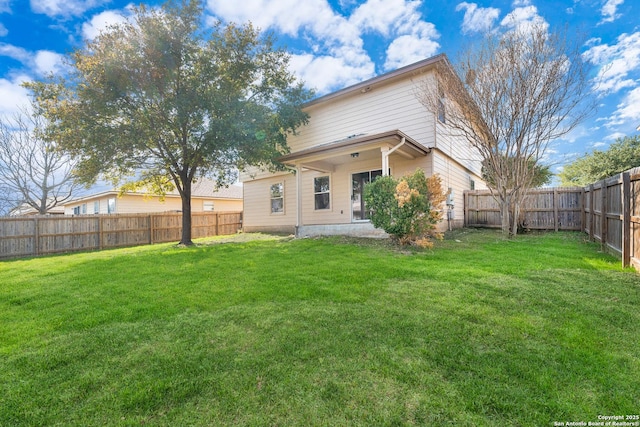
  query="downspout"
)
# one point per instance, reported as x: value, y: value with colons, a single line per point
x: 385, y: 157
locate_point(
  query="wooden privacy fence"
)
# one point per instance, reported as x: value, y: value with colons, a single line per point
x: 40, y: 235
x: 612, y: 209
x: 544, y: 209
x: 608, y: 211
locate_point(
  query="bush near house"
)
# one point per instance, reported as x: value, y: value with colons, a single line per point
x: 408, y: 209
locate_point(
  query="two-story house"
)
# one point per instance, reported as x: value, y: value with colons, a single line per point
x: 373, y: 128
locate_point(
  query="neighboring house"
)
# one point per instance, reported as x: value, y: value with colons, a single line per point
x: 354, y: 135
x: 205, y: 198
x: 26, y: 210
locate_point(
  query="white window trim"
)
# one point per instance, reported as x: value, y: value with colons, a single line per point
x: 329, y: 192
x: 271, y: 212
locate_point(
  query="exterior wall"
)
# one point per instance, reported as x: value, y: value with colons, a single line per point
x: 141, y: 204
x: 387, y: 107
x: 456, y: 176
x: 258, y: 216
x: 257, y: 195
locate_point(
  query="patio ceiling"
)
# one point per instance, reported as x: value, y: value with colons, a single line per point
x: 325, y: 157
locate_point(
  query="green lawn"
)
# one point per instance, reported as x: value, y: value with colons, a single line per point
x: 479, y: 331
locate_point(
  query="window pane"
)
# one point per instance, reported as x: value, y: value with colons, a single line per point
x: 276, y: 190
x: 277, y: 205
x: 321, y: 184
x: 111, y: 206
x: 322, y: 201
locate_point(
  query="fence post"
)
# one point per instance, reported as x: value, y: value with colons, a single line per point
x: 152, y: 230
x: 217, y: 223
x: 603, y: 216
x: 466, y: 208
x: 584, y: 210
x: 100, y: 232
x: 36, y: 236
x: 626, y: 219
x: 592, y: 215
x: 556, y: 214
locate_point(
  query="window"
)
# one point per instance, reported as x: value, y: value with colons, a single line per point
x: 321, y: 192
x: 76, y: 210
x: 472, y: 184
x: 96, y: 207
x: 111, y: 205
x: 359, y: 210
x: 277, y: 198
x: 84, y: 209
x: 207, y: 206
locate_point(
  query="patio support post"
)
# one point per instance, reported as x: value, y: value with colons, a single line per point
x: 298, y: 197
x: 385, y: 156
x: 385, y: 161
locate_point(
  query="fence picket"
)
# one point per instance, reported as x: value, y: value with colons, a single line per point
x: 41, y: 235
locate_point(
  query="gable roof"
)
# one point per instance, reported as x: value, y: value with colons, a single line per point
x: 367, y: 85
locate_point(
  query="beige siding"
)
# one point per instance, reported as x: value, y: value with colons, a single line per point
x: 140, y: 204
x: 393, y: 105
x: 257, y: 202
x: 457, y: 177
x: 257, y: 198
x: 389, y: 107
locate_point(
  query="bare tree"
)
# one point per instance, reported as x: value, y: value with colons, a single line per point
x: 33, y: 172
x: 520, y: 91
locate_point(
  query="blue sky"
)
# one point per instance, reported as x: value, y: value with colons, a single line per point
x: 335, y: 43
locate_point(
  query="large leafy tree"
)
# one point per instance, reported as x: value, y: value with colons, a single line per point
x: 510, y: 96
x: 170, y: 99
x: 622, y: 155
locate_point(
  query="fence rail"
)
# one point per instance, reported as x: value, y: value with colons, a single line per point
x: 544, y: 209
x: 608, y: 211
x: 41, y: 235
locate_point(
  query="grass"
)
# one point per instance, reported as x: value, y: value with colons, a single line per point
x: 477, y: 332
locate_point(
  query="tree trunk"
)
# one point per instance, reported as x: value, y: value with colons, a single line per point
x: 515, y: 219
x: 186, y: 213
x: 505, y: 214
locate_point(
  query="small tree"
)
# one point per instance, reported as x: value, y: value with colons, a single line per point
x: 408, y: 209
x: 622, y: 155
x: 173, y: 98
x: 33, y: 172
x: 510, y: 96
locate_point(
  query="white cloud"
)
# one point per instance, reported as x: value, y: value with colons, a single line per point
x: 383, y: 16
x: 48, y: 62
x: 613, y: 137
x: 523, y: 18
x: 5, y: 6
x: 609, y: 10
x: 336, y: 40
x: 101, y: 22
x: 408, y: 49
x: 14, y: 52
x: 12, y: 95
x: 413, y: 38
x: 477, y: 19
x: 41, y: 62
x: 628, y: 111
x: 616, y: 62
x: 64, y: 8
x: 3, y: 30
x: 327, y: 72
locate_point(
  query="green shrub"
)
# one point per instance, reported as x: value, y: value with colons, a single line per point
x: 408, y: 209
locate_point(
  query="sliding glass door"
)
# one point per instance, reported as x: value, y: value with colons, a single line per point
x: 359, y: 211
